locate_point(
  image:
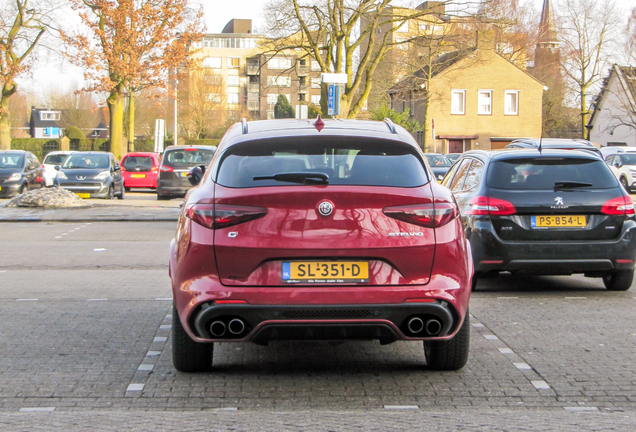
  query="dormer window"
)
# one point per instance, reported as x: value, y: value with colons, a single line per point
x: 50, y: 115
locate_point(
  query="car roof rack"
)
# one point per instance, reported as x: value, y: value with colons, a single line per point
x: 244, y: 123
x: 390, y: 124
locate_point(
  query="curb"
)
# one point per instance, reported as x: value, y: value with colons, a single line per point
x: 103, y: 214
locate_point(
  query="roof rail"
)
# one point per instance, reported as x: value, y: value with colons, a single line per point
x: 390, y: 124
x: 244, y: 123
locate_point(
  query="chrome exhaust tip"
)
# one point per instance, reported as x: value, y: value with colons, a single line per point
x: 236, y: 326
x: 217, y: 328
x: 415, y: 325
x: 433, y: 327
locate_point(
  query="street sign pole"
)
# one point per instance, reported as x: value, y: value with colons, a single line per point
x: 331, y: 90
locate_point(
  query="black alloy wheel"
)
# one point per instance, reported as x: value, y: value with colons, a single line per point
x: 624, y: 183
x: 111, y: 193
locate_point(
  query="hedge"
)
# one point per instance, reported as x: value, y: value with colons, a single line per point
x: 41, y: 146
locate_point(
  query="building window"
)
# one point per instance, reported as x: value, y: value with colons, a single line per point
x: 404, y: 27
x: 315, y: 83
x: 315, y: 99
x: 94, y: 134
x: 279, y: 81
x: 212, y: 62
x: 401, y: 43
x: 52, y: 132
x: 233, y: 98
x: 301, y: 97
x: 49, y: 115
x: 484, y: 102
x: 214, y: 97
x: 232, y: 81
x: 233, y: 62
x: 272, y: 98
x: 279, y: 63
x: 315, y: 66
x: 511, y: 104
x: 458, y: 101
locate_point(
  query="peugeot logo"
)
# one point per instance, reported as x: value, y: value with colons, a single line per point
x: 558, y: 201
x: 81, y: 177
x: 325, y: 208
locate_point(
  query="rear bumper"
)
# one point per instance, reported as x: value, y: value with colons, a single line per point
x: 150, y: 181
x: 386, y: 323
x: 167, y: 188
x: 490, y: 253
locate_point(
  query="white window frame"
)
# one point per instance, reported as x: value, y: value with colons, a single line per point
x: 315, y: 66
x: 272, y: 98
x: 316, y: 83
x: 315, y: 99
x: 232, y: 96
x: 229, y: 62
x: 403, y: 28
x: 233, y: 80
x: 516, y: 109
x: 279, y: 63
x: 481, y: 111
x: 213, y: 62
x: 279, y: 81
x: 463, y: 110
x: 50, y: 115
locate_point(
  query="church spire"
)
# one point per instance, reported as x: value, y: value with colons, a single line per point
x: 547, y: 28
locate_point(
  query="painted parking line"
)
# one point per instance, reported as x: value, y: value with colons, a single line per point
x: 160, y: 339
x: 522, y: 366
x: 164, y: 299
x: 224, y: 409
x: 145, y: 367
x: 576, y: 298
x: 507, y: 298
x: 491, y: 337
x: 401, y: 407
x: 153, y: 353
x: 97, y: 299
x: 99, y: 250
x: 581, y: 408
x: 478, y: 325
x: 135, y: 387
x: 27, y: 300
x: 37, y: 409
x: 166, y: 327
x: 540, y: 384
x: 506, y: 351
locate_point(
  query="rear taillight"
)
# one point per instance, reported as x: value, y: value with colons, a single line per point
x: 487, y: 206
x: 619, y: 206
x: 222, y: 215
x: 426, y: 215
x: 165, y: 168
x: 153, y: 169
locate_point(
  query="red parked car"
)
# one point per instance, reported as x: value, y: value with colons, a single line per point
x: 334, y: 230
x: 140, y: 169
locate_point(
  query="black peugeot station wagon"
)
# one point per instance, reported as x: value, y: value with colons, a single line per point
x: 555, y: 212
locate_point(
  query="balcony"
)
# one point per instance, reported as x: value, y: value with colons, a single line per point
x: 253, y: 106
x: 252, y: 68
x: 303, y: 71
x: 303, y: 88
x: 253, y: 87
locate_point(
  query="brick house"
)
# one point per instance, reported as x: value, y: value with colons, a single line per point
x: 477, y: 100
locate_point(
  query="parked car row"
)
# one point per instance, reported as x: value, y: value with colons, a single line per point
x: 96, y: 174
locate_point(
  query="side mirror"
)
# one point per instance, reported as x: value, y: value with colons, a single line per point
x: 117, y: 168
x: 195, y: 175
x: 57, y: 167
x: 618, y: 164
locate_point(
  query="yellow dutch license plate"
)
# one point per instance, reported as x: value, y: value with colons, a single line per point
x: 571, y: 221
x: 83, y: 195
x: 138, y: 175
x: 325, y: 271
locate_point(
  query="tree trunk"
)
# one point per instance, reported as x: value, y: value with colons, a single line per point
x: 5, y: 125
x: 583, y: 114
x: 116, y: 102
x: 428, y: 141
x: 131, y: 121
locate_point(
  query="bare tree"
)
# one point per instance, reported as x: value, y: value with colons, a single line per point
x: 19, y: 109
x: 23, y: 24
x: 343, y: 36
x: 78, y: 108
x: 202, y: 104
x: 588, y: 26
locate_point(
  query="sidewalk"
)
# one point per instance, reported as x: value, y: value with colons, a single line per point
x: 97, y: 213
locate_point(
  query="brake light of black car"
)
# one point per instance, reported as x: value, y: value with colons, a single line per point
x: 221, y: 215
x: 426, y: 215
x: 619, y: 206
x: 165, y: 168
x: 488, y: 206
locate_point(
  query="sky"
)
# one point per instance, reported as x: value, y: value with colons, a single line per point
x: 60, y: 75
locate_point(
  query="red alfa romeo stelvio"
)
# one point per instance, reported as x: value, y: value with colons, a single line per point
x: 319, y: 230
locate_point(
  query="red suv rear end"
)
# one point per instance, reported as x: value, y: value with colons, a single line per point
x: 299, y: 232
x: 140, y: 169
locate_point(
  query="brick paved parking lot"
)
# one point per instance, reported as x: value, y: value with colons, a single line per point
x: 85, y: 345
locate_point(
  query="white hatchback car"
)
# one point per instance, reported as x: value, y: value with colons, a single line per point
x: 623, y: 165
x: 50, y: 161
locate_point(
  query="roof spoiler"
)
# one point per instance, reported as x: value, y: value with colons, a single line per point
x: 391, y: 125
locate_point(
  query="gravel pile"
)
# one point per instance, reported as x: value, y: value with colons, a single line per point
x: 54, y: 197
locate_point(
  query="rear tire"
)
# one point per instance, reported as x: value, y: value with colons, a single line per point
x: 188, y: 355
x: 625, y: 184
x: 24, y: 189
x: 127, y: 189
x: 620, y: 280
x: 162, y: 197
x: 122, y: 193
x: 449, y: 354
x: 111, y: 193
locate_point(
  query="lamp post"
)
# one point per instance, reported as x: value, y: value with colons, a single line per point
x: 176, y: 93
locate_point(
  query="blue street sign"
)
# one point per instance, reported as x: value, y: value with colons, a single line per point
x: 331, y: 90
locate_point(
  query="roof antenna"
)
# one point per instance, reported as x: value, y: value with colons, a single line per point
x: 541, y: 137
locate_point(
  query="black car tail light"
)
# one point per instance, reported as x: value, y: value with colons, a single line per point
x: 426, y: 215
x: 619, y: 206
x: 165, y: 168
x: 488, y: 206
x: 221, y: 215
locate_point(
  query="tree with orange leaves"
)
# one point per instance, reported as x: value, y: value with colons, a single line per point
x: 131, y: 44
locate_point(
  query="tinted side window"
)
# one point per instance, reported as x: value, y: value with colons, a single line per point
x: 448, y: 178
x: 458, y: 181
x: 188, y: 157
x: 474, y: 174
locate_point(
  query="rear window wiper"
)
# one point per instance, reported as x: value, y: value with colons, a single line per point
x: 570, y: 185
x: 297, y: 177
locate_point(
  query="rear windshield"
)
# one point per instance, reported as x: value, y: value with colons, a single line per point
x: 11, y: 160
x: 138, y: 163
x: 87, y: 161
x: 436, y: 161
x: 349, y: 161
x: 56, y: 159
x: 187, y: 157
x: 545, y: 173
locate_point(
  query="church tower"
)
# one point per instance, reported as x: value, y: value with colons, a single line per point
x: 547, y: 54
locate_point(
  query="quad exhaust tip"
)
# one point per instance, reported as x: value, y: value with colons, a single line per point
x: 415, y: 325
x: 236, y: 326
x: 433, y: 327
x: 217, y: 328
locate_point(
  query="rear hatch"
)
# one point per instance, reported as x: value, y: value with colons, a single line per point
x: 133, y: 163
x: 555, y: 198
x: 177, y: 162
x: 319, y: 213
